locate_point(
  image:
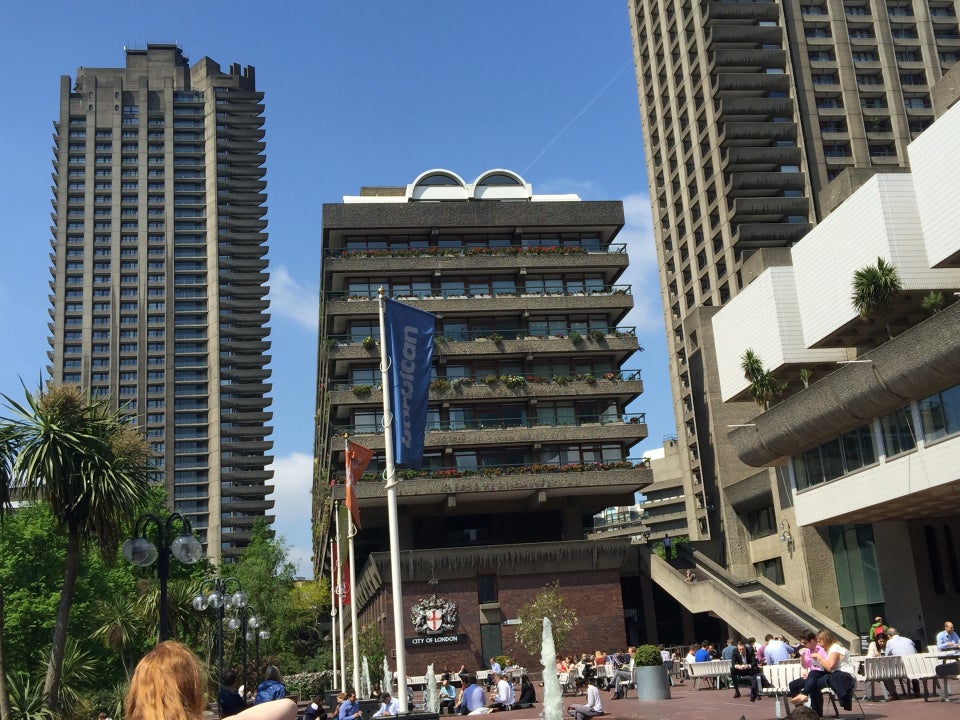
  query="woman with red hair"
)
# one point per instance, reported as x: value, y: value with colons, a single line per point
x: 168, y: 685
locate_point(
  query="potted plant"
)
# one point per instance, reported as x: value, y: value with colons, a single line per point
x: 650, y: 674
x: 369, y: 343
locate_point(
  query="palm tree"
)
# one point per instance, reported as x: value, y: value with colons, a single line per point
x: 874, y: 288
x: 763, y: 385
x: 91, y: 467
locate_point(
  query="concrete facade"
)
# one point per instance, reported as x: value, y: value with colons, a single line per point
x: 749, y: 110
x: 527, y: 434
x: 159, y: 274
x: 872, y: 448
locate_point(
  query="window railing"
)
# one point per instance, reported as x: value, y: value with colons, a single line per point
x: 538, y: 468
x: 613, y: 248
x: 440, y: 338
x: 584, y: 420
x: 445, y: 384
x: 438, y: 293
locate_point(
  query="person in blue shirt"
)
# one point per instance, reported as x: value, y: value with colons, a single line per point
x: 350, y: 708
x: 948, y: 638
x: 272, y: 687
x: 471, y: 699
x: 703, y: 654
x: 728, y: 650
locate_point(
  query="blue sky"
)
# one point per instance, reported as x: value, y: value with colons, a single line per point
x: 357, y: 93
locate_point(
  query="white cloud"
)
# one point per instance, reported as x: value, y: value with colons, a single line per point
x: 295, y: 300
x: 642, y: 274
x: 293, y: 481
x: 586, y: 189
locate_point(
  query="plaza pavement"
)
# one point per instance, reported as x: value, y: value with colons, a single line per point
x: 708, y: 704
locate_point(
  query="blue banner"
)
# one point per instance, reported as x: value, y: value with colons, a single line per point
x: 409, y: 346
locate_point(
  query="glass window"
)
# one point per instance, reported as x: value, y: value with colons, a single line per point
x: 940, y: 413
x: 898, y: 433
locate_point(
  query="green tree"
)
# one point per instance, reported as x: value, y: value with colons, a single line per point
x: 82, y: 458
x: 874, y: 288
x: 763, y: 385
x: 549, y: 603
x: 933, y: 302
x: 372, y: 647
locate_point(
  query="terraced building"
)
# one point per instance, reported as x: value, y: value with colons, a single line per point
x: 528, y: 434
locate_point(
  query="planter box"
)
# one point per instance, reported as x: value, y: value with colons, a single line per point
x: 652, y: 683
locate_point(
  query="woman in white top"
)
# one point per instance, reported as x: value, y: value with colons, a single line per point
x: 836, y: 659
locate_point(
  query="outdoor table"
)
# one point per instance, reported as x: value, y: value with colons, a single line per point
x: 945, y: 687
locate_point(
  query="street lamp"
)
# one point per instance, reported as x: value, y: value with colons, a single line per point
x: 141, y: 552
x: 220, y: 599
x: 254, y: 630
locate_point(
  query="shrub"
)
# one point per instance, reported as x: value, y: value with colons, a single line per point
x: 647, y: 656
x: 361, y: 390
x: 369, y: 343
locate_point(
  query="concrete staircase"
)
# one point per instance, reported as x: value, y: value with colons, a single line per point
x: 753, y: 607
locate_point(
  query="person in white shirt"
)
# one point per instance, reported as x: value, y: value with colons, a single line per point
x: 503, y: 698
x: 388, y: 707
x: 897, y: 644
x: 591, y: 708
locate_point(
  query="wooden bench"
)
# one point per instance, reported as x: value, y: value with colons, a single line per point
x: 708, y: 670
x: 879, y: 669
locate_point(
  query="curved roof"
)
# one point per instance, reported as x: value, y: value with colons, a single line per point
x: 495, y: 184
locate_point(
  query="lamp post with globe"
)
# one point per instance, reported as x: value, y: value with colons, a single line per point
x: 251, y: 625
x: 220, y: 598
x: 141, y: 552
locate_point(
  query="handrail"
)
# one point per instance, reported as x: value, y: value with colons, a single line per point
x: 812, y: 618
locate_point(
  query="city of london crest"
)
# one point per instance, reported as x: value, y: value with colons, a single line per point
x: 433, y: 615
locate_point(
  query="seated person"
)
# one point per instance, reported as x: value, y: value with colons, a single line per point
x: 503, y: 698
x: 528, y: 695
x: 314, y: 710
x: 446, y: 697
x: 836, y: 660
x: 229, y: 700
x: 591, y: 708
x: 471, y: 696
x: 388, y: 707
x: 350, y: 708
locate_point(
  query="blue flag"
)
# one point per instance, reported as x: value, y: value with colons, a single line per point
x: 409, y: 345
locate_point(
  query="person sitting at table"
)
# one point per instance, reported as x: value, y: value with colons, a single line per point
x: 388, y: 707
x: 948, y: 639
x: 471, y: 696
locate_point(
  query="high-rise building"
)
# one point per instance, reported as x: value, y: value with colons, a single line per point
x: 749, y: 110
x: 528, y: 434
x: 159, y: 273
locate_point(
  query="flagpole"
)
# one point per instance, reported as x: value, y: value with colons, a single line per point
x: 333, y: 611
x: 339, y: 593
x: 351, y: 531
x: 391, y: 488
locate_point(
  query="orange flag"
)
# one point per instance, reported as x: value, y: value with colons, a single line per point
x: 358, y: 457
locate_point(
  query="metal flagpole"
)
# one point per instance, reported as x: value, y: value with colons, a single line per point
x: 333, y: 611
x: 351, y: 531
x: 339, y: 594
x: 391, y: 488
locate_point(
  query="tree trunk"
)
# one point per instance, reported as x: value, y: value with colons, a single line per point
x: 51, y: 687
x: 4, y: 696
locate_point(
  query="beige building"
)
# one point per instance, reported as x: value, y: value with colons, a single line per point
x: 159, y: 281
x: 749, y: 110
